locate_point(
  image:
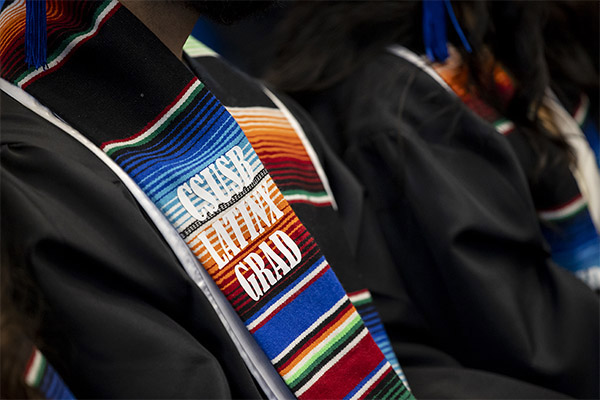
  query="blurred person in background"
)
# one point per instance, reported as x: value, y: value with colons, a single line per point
x: 464, y: 146
x: 174, y: 217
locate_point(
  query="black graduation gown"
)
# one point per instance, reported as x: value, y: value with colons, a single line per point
x: 456, y: 211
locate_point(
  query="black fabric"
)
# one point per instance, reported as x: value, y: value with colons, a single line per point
x: 454, y: 207
x: 69, y: 222
x: 464, y: 383
x: 125, y: 319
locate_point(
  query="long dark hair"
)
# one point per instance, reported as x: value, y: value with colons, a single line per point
x: 322, y: 43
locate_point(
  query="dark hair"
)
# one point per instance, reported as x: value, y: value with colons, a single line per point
x: 322, y: 43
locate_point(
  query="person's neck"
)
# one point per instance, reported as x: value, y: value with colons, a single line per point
x: 171, y: 21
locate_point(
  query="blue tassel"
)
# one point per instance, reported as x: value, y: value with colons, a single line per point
x: 434, y: 29
x: 459, y: 31
x: 35, y: 33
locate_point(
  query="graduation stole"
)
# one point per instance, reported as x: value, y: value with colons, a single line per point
x: 39, y: 374
x: 565, y: 217
x: 194, y: 162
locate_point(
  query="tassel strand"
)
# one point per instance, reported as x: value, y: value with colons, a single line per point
x: 35, y: 33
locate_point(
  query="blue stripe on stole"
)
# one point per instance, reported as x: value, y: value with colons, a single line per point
x: 285, y: 291
x: 49, y: 381
x: 379, y: 338
x: 579, y: 260
x: 51, y: 392
x: 190, y: 165
x: 45, y: 379
x: 574, y: 242
x: 203, y: 147
x: 200, y: 134
x: 301, y: 313
x: 64, y: 394
x: 366, y: 379
x: 146, y: 159
x: 193, y: 132
x: 367, y: 308
x: 172, y: 172
x: 370, y: 318
x: 134, y: 154
x: 56, y: 388
x: 385, y: 347
x: 376, y: 327
x: 575, y: 229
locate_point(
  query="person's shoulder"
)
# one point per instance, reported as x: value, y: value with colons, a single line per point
x: 230, y: 85
x: 46, y: 174
x: 29, y: 138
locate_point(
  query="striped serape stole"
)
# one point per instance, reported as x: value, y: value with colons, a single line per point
x: 195, y: 163
x: 39, y: 374
x: 563, y: 212
x: 363, y: 302
x: 572, y: 236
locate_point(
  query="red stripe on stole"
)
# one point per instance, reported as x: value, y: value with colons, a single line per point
x: 275, y: 158
x: 29, y: 362
x: 324, y: 204
x: 155, y: 120
x: 347, y: 372
x: 359, y: 292
x: 563, y: 205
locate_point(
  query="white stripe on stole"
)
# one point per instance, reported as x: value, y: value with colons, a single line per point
x: 34, y: 370
x: 308, y: 330
x: 313, y: 199
x: 364, y: 332
x: 364, y: 295
x: 567, y: 210
x: 505, y: 127
x: 289, y: 294
x: 591, y: 276
x: 384, y: 368
x: 71, y: 45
